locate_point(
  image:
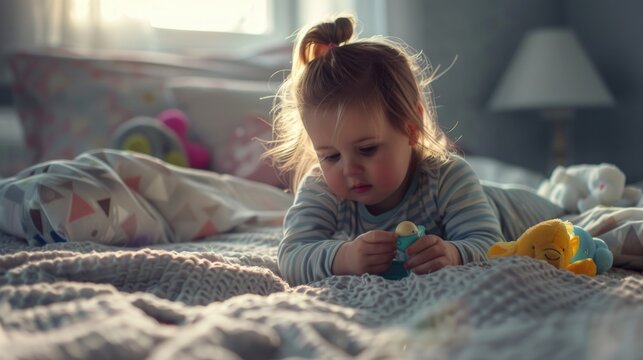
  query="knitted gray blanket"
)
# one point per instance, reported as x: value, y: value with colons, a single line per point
x: 223, y: 299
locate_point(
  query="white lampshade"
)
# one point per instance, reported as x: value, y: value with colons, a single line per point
x: 550, y: 71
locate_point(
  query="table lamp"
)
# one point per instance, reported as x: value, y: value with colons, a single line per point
x: 551, y: 73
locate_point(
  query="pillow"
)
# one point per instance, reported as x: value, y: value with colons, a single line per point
x: 489, y: 169
x: 70, y: 102
x: 228, y: 116
x: 11, y: 143
x: 242, y: 153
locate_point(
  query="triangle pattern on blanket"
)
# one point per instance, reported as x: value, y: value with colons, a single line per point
x: 104, y: 205
x: 15, y: 194
x: 36, y: 219
x: 79, y: 208
x: 157, y: 190
x: 129, y: 226
x: 133, y: 182
x: 48, y: 194
x: 206, y: 230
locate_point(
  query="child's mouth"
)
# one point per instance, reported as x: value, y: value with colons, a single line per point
x: 360, y: 188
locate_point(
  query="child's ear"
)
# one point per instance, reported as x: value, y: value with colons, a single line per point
x: 420, y: 110
x: 412, y: 132
x: 412, y: 129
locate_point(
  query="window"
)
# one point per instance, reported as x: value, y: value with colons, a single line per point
x: 202, y: 27
x: 238, y: 16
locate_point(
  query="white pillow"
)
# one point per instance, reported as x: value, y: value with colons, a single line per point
x: 499, y: 172
x: 216, y: 107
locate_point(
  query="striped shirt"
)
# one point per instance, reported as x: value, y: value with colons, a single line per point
x: 448, y: 200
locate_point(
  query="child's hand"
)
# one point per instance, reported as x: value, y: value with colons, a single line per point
x: 371, y: 252
x: 430, y: 253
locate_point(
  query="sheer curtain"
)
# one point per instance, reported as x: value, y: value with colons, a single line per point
x: 67, y: 23
x: 73, y: 23
x: 142, y: 24
x: 126, y: 24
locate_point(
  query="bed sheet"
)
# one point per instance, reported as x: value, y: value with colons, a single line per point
x: 223, y: 298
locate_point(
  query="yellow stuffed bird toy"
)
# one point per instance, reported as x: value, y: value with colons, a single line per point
x: 553, y: 241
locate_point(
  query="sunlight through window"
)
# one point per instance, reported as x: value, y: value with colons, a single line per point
x: 239, y: 16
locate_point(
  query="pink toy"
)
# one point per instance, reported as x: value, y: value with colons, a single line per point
x: 198, y: 156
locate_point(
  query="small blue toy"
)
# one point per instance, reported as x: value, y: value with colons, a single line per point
x: 593, y: 248
x: 407, y: 233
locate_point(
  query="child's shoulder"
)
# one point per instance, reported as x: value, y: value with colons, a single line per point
x: 314, y: 179
x: 438, y: 169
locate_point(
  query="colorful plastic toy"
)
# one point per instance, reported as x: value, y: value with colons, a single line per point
x: 198, y: 156
x: 163, y: 137
x: 407, y: 232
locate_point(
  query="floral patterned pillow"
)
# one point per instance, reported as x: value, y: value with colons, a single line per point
x: 69, y: 102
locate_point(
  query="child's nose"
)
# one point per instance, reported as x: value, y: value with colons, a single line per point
x: 351, y: 167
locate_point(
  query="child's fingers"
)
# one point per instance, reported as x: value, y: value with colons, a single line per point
x: 431, y: 266
x: 423, y: 243
x: 379, y: 236
x: 379, y: 248
x: 426, y: 255
x: 378, y: 260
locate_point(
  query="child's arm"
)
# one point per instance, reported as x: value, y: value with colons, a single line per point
x: 307, y: 250
x: 468, y: 220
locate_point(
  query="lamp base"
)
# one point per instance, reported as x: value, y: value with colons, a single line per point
x: 559, y: 155
x: 559, y: 143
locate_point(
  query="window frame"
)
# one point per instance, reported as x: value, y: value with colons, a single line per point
x: 287, y: 18
x: 229, y: 44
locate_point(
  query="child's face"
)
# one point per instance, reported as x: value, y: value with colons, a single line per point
x: 363, y: 158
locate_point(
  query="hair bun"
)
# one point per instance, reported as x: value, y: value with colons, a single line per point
x: 319, y: 39
x: 344, y: 27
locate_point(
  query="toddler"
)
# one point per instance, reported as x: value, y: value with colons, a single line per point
x: 355, y: 128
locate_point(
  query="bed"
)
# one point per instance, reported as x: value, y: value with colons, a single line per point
x: 218, y: 294
x: 222, y: 297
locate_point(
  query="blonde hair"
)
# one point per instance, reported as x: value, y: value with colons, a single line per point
x: 332, y: 68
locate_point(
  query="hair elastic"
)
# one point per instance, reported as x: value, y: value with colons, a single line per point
x: 323, y: 49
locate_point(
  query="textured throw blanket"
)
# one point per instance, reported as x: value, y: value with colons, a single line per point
x: 222, y: 298
x: 119, y: 256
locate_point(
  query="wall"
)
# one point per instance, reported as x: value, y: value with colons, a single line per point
x: 484, y: 35
x: 611, y: 33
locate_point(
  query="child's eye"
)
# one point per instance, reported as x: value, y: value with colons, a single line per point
x: 368, y: 150
x: 331, y: 158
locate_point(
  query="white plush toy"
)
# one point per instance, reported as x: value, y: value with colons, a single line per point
x: 578, y: 188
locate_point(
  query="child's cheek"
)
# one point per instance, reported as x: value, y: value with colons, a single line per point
x: 335, y: 183
x: 386, y: 176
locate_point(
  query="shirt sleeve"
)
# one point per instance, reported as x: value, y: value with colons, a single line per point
x: 467, y: 217
x: 307, y: 249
